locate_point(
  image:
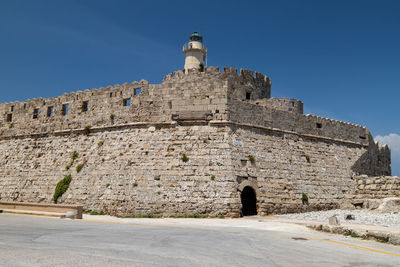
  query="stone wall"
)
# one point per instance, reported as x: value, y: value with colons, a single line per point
x: 137, y: 170
x: 251, y: 113
x: 377, y: 187
x: 287, y: 165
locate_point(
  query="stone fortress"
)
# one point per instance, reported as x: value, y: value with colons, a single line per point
x: 204, y: 141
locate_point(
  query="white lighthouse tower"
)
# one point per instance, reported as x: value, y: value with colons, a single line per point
x: 195, y: 52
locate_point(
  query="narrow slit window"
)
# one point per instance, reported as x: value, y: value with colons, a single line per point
x: 50, y: 112
x: 362, y: 137
x: 292, y: 103
x: 12, y: 108
x: 9, y: 117
x: 319, y: 125
x: 248, y: 96
x: 127, y: 102
x: 65, y: 109
x: 110, y: 94
x: 36, y: 112
x: 85, y: 106
x: 138, y: 91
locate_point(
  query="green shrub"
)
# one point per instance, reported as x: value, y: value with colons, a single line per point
x: 93, y: 212
x: 307, y: 157
x: 194, y: 215
x: 75, y: 155
x: 69, y: 165
x: 351, y: 233
x: 100, y: 143
x: 252, y: 159
x: 185, y: 158
x: 79, y: 168
x: 228, y: 204
x: 61, y: 187
x: 107, y: 185
x: 212, y: 177
x: 87, y: 129
x: 149, y: 215
x: 112, y: 116
x: 304, y: 198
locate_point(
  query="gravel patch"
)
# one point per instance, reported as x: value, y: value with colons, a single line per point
x: 361, y: 217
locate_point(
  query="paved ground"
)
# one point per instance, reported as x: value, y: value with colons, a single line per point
x: 105, y: 241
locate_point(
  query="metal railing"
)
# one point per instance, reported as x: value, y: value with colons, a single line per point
x: 188, y: 46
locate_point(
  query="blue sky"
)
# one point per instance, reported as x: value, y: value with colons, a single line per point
x: 341, y: 58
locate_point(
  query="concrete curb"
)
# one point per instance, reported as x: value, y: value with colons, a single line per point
x: 378, y: 235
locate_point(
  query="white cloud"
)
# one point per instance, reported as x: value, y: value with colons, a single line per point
x: 393, y: 140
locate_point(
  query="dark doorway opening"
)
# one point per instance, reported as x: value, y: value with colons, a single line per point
x: 249, y: 201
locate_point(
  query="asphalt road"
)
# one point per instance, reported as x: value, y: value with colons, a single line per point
x: 35, y: 241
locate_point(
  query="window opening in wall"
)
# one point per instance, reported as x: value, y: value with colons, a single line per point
x: 12, y: 108
x: 110, y: 94
x: 292, y: 103
x: 248, y: 96
x: 138, y: 91
x: 216, y: 111
x: 362, y: 137
x: 65, y: 109
x: 24, y: 106
x: 127, y: 102
x: 85, y: 106
x: 319, y: 125
x: 50, y: 111
x: 36, y: 112
x: 9, y: 117
x: 170, y: 104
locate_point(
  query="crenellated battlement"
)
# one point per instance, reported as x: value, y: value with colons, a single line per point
x: 225, y: 95
x: 323, y: 119
x: 243, y: 74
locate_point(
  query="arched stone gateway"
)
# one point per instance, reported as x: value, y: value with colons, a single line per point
x: 249, y: 201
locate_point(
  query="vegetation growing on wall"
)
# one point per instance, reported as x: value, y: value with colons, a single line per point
x: 61, y: 187
x: 79, y: 168
x: 74, y: 156
x: 304, y: 199
x: 185, y: 158
x: 252, y: 159
x: 87, y: 129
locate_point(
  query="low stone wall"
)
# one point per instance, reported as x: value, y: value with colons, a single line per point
x: 58, y: 208
x: 377, y: 187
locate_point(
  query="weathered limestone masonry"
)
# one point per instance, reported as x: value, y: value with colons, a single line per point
x: 191, y: 144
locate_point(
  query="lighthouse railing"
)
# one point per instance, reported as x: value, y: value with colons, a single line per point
x: 188, y: 46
